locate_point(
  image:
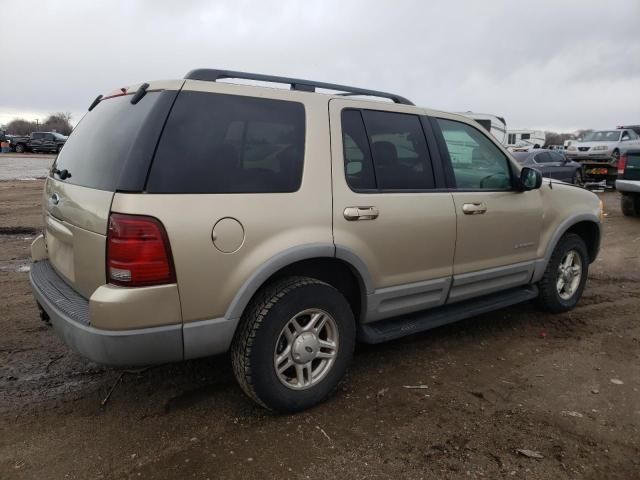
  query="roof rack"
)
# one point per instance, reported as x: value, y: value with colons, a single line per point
x: 212, y: 75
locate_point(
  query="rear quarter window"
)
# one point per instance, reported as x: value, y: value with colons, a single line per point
x: 218, y: 143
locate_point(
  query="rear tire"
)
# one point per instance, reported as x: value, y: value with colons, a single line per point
x: 566, y: 275
x: 268, y: 332
x: 630, y: 205
x: 20, y: 148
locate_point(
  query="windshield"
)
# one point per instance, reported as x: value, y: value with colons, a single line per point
x: 603, y: 136
x: 59, y: 136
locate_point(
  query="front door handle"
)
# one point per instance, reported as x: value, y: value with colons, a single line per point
x: 474, y: 208
x: 361, y: 213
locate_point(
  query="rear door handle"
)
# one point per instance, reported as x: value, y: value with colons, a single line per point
x: 474, y: 208
x: 361, y: 213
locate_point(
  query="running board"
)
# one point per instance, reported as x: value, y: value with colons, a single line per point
x: 397, y: 327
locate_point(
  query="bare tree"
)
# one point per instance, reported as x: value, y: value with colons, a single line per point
x: 58, y: 122
x: 20, y: 127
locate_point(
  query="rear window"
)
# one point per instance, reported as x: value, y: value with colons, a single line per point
x: 112, y: 146
x: 216, y: 143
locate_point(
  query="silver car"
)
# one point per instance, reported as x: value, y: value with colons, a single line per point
x: 603, y: 145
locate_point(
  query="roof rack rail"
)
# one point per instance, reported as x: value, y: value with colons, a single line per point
x: 212, y: 75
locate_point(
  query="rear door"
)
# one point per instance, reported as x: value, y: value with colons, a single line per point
x: 110, y: 149
x: 498, y: 228
x: 387, y: 210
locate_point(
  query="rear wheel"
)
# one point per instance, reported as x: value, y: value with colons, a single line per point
x: 20, y: 148
x: 293, y: 344
x: 566, y: 275
x: 630, y: 204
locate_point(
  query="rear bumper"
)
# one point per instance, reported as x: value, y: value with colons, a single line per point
x: 69, y: 314
x: 628, y: 186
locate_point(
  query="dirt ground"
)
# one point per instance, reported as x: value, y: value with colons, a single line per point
x: 566, y: 386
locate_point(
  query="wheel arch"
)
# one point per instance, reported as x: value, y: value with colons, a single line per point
x: 585, y: 225
x: 336, y: 266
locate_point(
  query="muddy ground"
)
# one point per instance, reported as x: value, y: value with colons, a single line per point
x: 566, y: 386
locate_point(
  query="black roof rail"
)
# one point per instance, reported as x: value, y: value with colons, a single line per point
x: 212, y: 75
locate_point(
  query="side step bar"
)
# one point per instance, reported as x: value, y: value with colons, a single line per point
x: 397, y: 327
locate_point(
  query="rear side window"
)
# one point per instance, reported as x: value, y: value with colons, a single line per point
x: 385, y: 151
x: 112, y: 146
x: 357, y: 156
x: 399, y: 151
x: 216, y: 143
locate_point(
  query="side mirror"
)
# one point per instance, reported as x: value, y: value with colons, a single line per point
x: 530, y: 179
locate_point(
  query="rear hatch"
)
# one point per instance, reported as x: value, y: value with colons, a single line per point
x: 110, y: 150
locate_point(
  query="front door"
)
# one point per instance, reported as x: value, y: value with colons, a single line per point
x: 386, y: 212
x: 498, y: 227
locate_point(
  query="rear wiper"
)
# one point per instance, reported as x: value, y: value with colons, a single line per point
x: 63, y: 174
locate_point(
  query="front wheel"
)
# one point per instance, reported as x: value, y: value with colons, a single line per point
x: 294, y: 344
x: 565, y: 276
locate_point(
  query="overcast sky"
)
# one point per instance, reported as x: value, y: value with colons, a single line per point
x: 557, y: 65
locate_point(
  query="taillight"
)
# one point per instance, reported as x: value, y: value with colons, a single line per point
x: 138, y: 252
x: 622, y: 164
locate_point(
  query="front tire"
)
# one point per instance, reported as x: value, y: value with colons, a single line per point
x: 293, y: 344
x: 566, y: 275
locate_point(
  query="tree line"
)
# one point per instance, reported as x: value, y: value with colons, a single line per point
x: 554, y: 138
x: 56, y: 122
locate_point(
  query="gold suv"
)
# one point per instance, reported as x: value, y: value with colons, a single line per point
x: 193, y: 217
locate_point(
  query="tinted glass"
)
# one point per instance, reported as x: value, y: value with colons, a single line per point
x: 525, y: 136
x: 477, y: 162
x: 544, y: 157
x: 486, y: 124
x: 557, y: 157
x: 113, y: 140
x: 216, y: 143
x: 632, y: 170
x: 399, y: 151
x: 358, y: 165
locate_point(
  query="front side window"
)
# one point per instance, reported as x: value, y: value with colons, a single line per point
x: 525, y: 136
x: 216, y: 143
x: 478, y: 164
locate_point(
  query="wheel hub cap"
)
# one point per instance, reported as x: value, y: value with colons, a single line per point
x: 569, y: 275
x: 306, y: 349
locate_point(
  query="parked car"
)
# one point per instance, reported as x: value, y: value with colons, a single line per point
x: 192, y: 217
x: 628, y: 182
x: 552, y: 164
x: 51, y: 142
x: 603, y: 145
